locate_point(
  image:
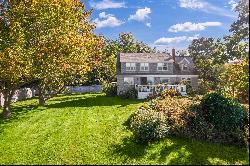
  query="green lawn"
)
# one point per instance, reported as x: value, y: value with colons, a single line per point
x: 88, y: 129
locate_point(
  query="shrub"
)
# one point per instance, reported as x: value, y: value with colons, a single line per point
x: 177, y: 111
x: 110, y: 89
x: 246, y: 124
x: 129, y: 94
x: 148, y: 124
x: 189, y: 88
x: 203, y: 87
x: 159, y: 118
x: 203, y: 130
x: 224, y: 113
x: 169, y: 92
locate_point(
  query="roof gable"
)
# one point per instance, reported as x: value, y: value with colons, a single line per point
x: 184, y: 60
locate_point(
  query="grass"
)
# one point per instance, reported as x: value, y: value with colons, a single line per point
x: 88, y: 129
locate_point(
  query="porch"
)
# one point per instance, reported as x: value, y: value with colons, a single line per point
x: 145, y: 90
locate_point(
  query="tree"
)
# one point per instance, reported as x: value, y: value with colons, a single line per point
x: 206, y: 54
x: 127, y: 44
x: 234, y: 80
x: 62, y: 42
x: 236, y: 76
x: 15, y: 59
x: 106, y: 71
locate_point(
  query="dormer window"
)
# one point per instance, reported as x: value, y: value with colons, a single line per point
x: 144, y: 67
x: 184, y: 67
x: 162, y: 66
x: 130, y: 66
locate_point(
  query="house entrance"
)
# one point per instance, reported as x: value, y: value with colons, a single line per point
x: 143, y: 80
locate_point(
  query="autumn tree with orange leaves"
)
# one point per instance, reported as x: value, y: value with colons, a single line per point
x: 53, y: 41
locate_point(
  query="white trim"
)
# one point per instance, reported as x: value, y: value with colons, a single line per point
x: 191, y: 76
x: 132, y: 79
x: 183, y: 60
x: 162, y: 66
x: 182, y: 67
x: 144, y: 66
x: 130, y: 66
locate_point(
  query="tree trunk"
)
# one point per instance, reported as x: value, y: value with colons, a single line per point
x: 41, y: 96
x: 6, y: 105
x: 41, y: 100
x: 6, y: 111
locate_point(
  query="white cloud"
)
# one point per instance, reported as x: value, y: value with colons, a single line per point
x: 188, y: 26
x: 107, y: 20
x: 148, y: 24
x: 107, y: 4
x: 193, y: 4
x: 178, y: 39
x: 205, y: 7
x: 233, y: 4
x: 191, y: 38
x: 141, y: 14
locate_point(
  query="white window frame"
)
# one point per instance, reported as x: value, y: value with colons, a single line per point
x: 144, y: 66
x: 160, y: 66
x: 130, y: 80
x: 130, y: 66
x: 184, y: 65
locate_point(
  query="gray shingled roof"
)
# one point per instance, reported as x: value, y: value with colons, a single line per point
x: 151, y: 57
x: 144, y: 57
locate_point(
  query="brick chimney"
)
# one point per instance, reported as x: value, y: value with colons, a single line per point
x: 173, y: 54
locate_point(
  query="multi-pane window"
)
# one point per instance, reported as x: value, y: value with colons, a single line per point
x: 162, y: 66
x: 144, y: 66
x: 128, y: 80
x: 184, y: 67
x: 150, y: 80
x: 164, y: 80
x: 130, y: 66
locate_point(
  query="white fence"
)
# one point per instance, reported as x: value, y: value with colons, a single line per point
x: 145, y: 90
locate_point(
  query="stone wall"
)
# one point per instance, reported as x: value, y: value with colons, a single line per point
x: 83, y: 89
x: 20, y: 94
x: 25, y: 93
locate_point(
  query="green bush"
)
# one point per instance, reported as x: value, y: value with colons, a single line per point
x: 148, y: 125
x: 224, y: 113
x: 110, y: 89
x: 129, y: 94
x: 246, y: 124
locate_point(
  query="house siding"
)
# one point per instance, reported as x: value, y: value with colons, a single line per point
x: 172, y: 80
x: 174, y: 72
x: 152, y: 69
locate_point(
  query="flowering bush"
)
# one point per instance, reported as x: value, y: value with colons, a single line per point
x: 148, y: 124
x: 159, y: 118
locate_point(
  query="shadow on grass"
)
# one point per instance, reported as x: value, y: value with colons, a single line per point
x: 176, y: 151
x: 19, y: 110
x: 90, y: 101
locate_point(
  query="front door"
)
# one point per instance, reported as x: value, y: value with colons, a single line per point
x: 143, y: 80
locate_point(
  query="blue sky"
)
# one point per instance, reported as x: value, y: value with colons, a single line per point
x: 163, y: 23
